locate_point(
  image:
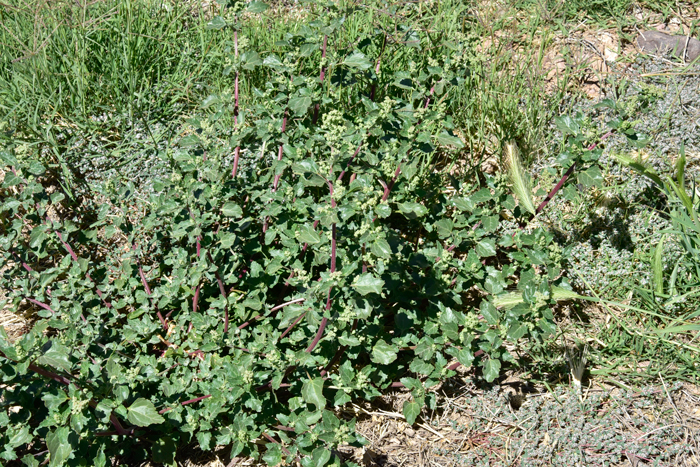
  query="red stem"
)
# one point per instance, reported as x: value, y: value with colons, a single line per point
x: 568, y: 173
x: 388, y: 188
x: 148, y: 292
x: 321, y: 76
x: 279, y: 158
x: 376, y: 69
x: 66, y: 381
x: 272, y: 440
x: 43, y: 305
x: 292, y: 325
x: 235, y: 109
x: 324, y: 321
x: 222, y: 289
x: 191, y: 401
x: 279, y: 153
x: 87, y: 274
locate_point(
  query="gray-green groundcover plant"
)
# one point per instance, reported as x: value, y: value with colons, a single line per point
x: 311, y: 259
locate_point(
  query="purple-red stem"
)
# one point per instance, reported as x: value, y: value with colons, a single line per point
x: 289, y: 328
x: 321, y: 75
x: 340, y: 178
x: 191, y: 401
x: 376, y: 69
x: 273, y: 440
x: 223, y: 292
x: 87, y: 274
x: 324, y: 321
x: 66, y: 381
x: 235, y: 109
x: 387, y: 189
x: 43, y: 305
x: 148, y: 292
x: 278, y: 307
x: 279, y: 158
x: 568, y: 173
x: 279, y: 153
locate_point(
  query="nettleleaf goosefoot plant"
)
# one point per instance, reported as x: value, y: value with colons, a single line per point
x: 243, y: 300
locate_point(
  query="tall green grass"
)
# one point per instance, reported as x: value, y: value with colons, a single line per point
x: 80, y: 79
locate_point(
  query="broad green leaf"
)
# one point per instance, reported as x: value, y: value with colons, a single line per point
x: 383, y: 353
x: 367, y: 283
x: 231, y: 210
x: 250, y: 60
x: 464, y: 204
x: 312, y: 392
x: 481, y: 196
x: 319, y: 457
x: 37, y: 237
x: 413, y: 210
x: 381, y: 248
x: 486, y: 248
x: 8, y: 158
x: 444, y: 227
x: 299, y: 105
x: 358, y: 60
x: 517, y: 331
x: 466, y: 357
x: 57, y: 357
x: 204, y: 439
x: 216, y: 23
x: 591, y: 177
x: 210, y: 100
x: 411, y: 410
x: 227, y: 240
x: 257, y: 7
x: 489, y: 312
x: 19, y: 437
x: 273, y: 455
x: 36, y: 168
x: 447, y: 139
x: 490, y: 223
x: 306, y: 50
x: 382, y: 210
x: 30, y: 461
x: 54, y: 398
x: 272, y: 61
x: 567, y: 125
x: 492, y: 368
x: 59, y: 447
x: 307, y: 234
x: 143, y: 413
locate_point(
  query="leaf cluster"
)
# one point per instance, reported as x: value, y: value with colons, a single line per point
x: 227, y: 307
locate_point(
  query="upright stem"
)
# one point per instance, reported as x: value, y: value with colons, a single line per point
x: 376, y: 70
x: 566, y: 176
x: 235, y: 108
x: 279, y: 158
x: 324, y: 321
x: 387, y: 189
x: 222, y: 289
x: 279, y: 153
x: 321, y: 75
x: 148, y: 292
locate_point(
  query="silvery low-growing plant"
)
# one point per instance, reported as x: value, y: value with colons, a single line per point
x: 243, y: 300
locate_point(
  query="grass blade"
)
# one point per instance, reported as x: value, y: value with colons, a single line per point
x: 522, y: 184
x: 658, y: 266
